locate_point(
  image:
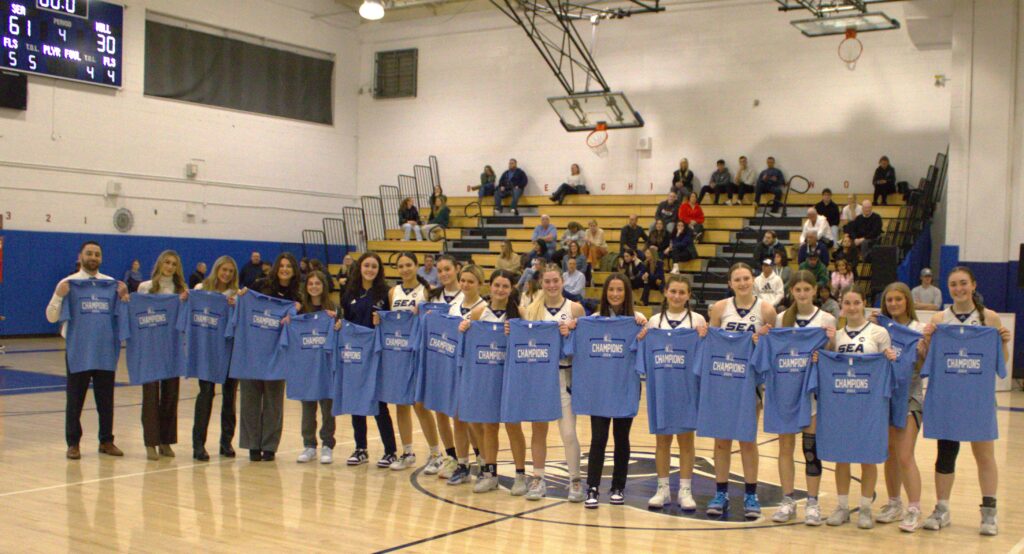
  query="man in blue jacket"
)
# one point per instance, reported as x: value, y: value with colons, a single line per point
x: 771, y: 181
x: 513, y: 181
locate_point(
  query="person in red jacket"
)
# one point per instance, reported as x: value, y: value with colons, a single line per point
x: 691, y: 214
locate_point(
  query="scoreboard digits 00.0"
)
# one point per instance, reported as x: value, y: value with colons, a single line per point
x: 68, y: 39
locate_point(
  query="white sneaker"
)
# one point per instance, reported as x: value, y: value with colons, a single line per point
x: 989, y: 526
x: 307, y: 455
x: 326, y: 455
x: 864, y: 519
x: 812, y: 515
x: 448, y: 467
x: 485, y: 483
x: 911, y: 520
x: 405, y: 461
x: 839, y: 516
x: 519, y: 487
x: 686, y: 501
x: 938, y: 520
x: 728, y: 202
x: 663, y: 496
x: 893, y: 511
x: 538, y: 489
x: 786, y: 511
x: 576, y: 492
x: 433, y: 464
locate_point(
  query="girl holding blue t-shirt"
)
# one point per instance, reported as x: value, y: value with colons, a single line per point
x: 449, y: 293
x: 315, y: 298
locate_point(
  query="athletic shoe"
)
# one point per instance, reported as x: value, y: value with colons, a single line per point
x: 433, y: 464
x: 592, y: 499
x: 839, y: 516
x: 460, y: 476
x: 686, y: 501
x: 751, y: 507
x: 812, y: 515
x: 661, y: 497
x: 911, y: 520
x: 307, y: 455
x: 864, y: 519
x: 786, y: 511
x: 519, y: 487
x: 386, y: 461
x: 326, y: 455
x: 893, y: 511
x: 357, y: 458
x: 938, y: 520
x: 989, y: 527
x: 617, y: 497
x: 486, y: 483
x: 718, y: 505
x: 268, y: 456
x: 576, y: 492
x: 538, y: 489
x: 404, y: 462
x: 448, y: 467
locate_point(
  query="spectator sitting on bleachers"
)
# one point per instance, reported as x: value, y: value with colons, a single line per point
x: 744, y: 182
x: 814, y: 265
x: 428, y: 272
x: 847, y: 251
x: 682, y: 179
x: 633, y: 268
x: 851, y: 210
x: 594, y: 245
x: 682, y: 248
x: 865, y: 230
x: 574, y: 282
x: 486, y: 186
x: 530, y: 288
x: 631, y: 234
x: 667, y: 212
x: 659, y: 238
x: 574, y: 233
x: 507, y: 259
x: 573, y: 252
x: 690, y: 213
x: 768, y: 286
x: 410, y: 218
x: 770, y: 181
x: 812, y: 244
x: 842, y: 277
x: 530, y: 273
x: 830, y: 211
x: 819, y: 225
x: 513, y: 182
x: 654, y: 277
x: 827, y: 303
x: 546, y: 232
x: 574, y: 184
x: 767, y: 248
x: 780, y: 261
x: 539, y: 251
x: 437, y: 193
x: 721, y: 181
x: 440, y: 218
x: 343, y: 271
x: 884, y: 181
x: 926, y: 296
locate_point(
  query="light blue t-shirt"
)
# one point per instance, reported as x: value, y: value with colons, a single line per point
x: 530, y: 390
x: 483, y: 352
x: 782, y: 359
x: 148, y: 324
x: 438, y: 380
x: 256, y: 328
x: 355, y: 376
x: 398, y: 344
x: 853, y: 406
x: 667, y: 357
x: 90, y: 310
x: 304, y: 356
x: 728, y: 386
x: 204, y: 320
x: 904, y: 342
x: 604, y: 378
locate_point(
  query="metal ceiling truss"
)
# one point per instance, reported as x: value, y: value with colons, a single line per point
x: 826, y: 8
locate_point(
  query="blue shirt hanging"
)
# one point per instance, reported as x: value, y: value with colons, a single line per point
x: 438, y: 380
x: 530, y: 390
x: 256, y: 328
x: 90, y: 310
x: 483, y: 353
x: 304, y: 356
x: 853, y: 406
x: 668, y: 358
x: 904, y: 342
x: 148, y: 324
x: 355, y: 376
x: 398, y: 340
x: 782, y: 359
x: 728, y: 386
x: 204, y: 320
x: 604, y: 378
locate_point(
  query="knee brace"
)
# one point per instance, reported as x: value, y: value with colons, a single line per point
x: 945, y: 463
x: 812, y: 465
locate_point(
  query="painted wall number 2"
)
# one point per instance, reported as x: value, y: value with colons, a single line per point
x: 48, y: 218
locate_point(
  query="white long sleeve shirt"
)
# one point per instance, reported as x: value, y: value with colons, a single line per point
x: 821, y: 227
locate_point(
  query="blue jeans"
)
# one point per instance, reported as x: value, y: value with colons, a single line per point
x: 500, y: 194
x: 485, y: 190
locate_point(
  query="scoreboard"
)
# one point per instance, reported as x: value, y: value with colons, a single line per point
x: 68, y: 39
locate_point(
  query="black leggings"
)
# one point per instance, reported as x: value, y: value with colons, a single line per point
x: 384, y: 426
x: 599, y: 441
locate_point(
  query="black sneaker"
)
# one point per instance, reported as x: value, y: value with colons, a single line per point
x: 268, y: 456
x: 386, y: 461
x: 617, y: 497
x: 592, y: 498
x: 515, y: 212
x: 255, y: 455
x: 357, y: 458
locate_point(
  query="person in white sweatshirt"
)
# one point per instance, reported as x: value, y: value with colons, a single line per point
x: 768, y: 286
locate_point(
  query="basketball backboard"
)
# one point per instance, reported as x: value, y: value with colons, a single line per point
x: 582, y: 112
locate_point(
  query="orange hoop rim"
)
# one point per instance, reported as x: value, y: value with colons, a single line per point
x: 601, y: 134
x: 851, y: 37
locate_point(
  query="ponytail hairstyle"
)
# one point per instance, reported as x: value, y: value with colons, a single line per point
x: 535, y: 311
x: 416, y: 263
x: 178, y: 278
x: 325, y: 296
x: 605, y: 308
x: 907, y: 297
x: 801, y: 276
x: 675, y: 278
x: 438, y: 292
x: 976, y: 298
x: 512, y: 306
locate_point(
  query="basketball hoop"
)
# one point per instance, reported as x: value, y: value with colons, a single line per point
x: 597, y: 140
x: 850, y: 49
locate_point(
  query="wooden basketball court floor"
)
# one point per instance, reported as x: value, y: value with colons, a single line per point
x: 49, y: 504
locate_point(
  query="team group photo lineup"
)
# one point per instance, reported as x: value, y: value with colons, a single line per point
x: 763, y: 305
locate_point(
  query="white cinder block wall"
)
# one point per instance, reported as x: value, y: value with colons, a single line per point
x: 693, y: 72
x: 261, y: 178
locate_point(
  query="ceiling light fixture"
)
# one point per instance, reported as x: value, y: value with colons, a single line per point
x: 372, y: 9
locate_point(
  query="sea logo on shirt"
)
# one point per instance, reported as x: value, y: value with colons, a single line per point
x: 490, y: 355
x: 152, y: 318
x: 668, y: 358
x: 351, y: 355
x: 264, y: 320
x: 205, y: 319
x: 607, y: 347
x: 728, y: 366
x: 94, y: 305
x: 396, y: 341
x: 856, y: 347
x: 532, y: 353
x: 313, y: 340
x: 792, y: 362
x: 851, y: 382
x: 441, y: 344
x: 743, y: 326
x: 963, y: 362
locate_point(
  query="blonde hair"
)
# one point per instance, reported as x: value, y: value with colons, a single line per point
x: 212, y: 283
x: 535, y: 311
x: 907, y: 296
x: 178, y: 277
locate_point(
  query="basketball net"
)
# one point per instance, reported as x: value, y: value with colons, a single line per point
x: 850, y: 49
x: 597, y: 140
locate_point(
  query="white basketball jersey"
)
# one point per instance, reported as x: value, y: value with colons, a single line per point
x: 492, y: 316
x: 404, y: 300
x: 452, y: 298
x: 949, y: 317
x: 743, y: 321
x: 463, y: 311
x: 560, y: 314
x: 820, y: 318
x: 682, y: 320
x: 869, y: 339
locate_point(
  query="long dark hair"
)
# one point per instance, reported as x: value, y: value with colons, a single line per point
x: 325, y: 296
x: 976, y: 298
x: 415, y: 262
x: 512, y: 307
x: 675, y: 278
x: 272, y: 284
x: 379, y: 287
x: 438, y: 291
x: 801, y: 276
x: 605, y: 308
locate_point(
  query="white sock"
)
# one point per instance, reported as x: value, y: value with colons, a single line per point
x: 865, y: 502
x: 943, y: 505
x: 464, y: 461
x: 435, y: 450
x: 662, y: 481
x: 538, y: 473
x: 844, y: 500
x: 407, y: 448
x: 894, y: 500
x: 683, y: 483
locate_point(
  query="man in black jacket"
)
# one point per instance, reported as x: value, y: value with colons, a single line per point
x: 668, y: 212
x: 630, y: 236
x: 251, y: 271
x: 197, y: 276
x: 830, y: 210
x: 865, y: 230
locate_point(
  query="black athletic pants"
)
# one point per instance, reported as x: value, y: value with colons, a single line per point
x: 204, y: 410
x: 384, y: 427
x: 599, y: 441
